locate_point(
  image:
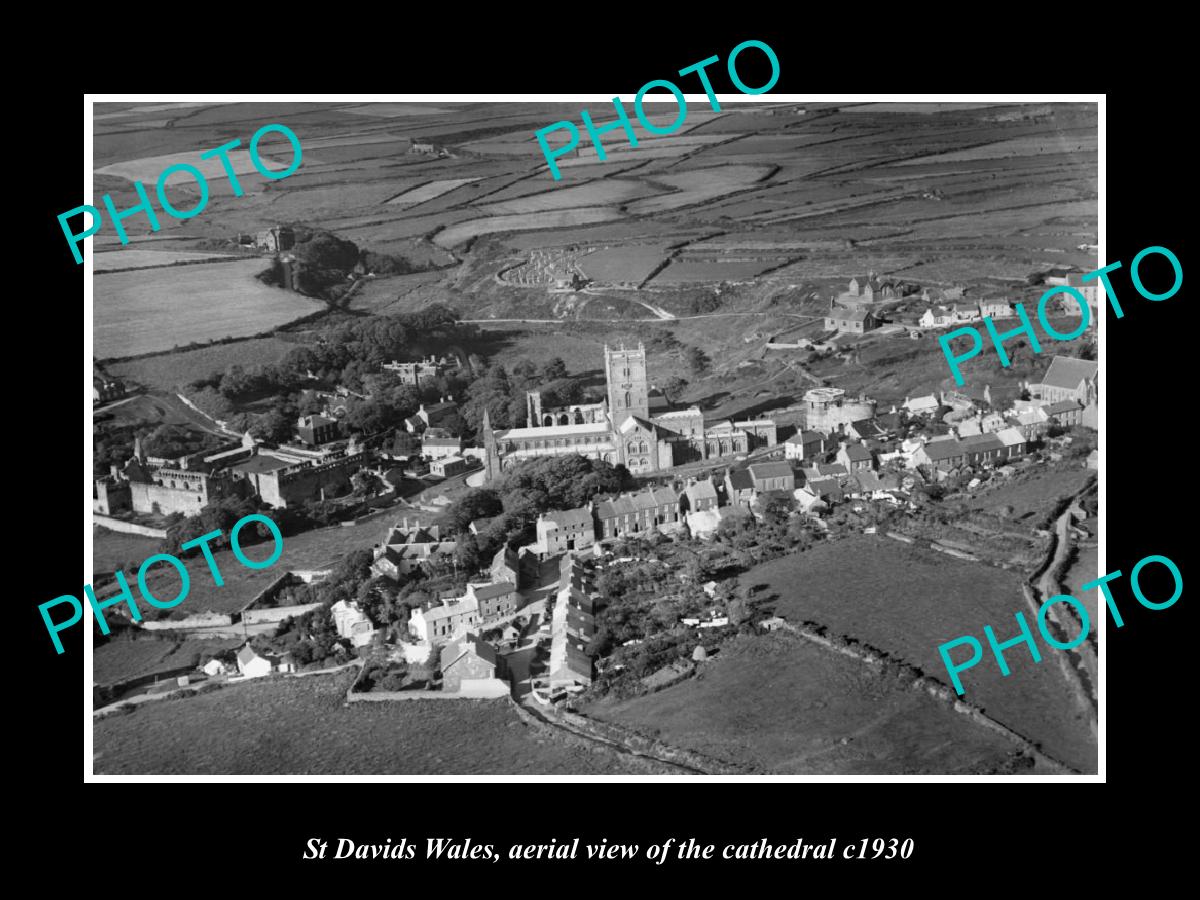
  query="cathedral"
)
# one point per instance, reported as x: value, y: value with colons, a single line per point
x: 622, y: 429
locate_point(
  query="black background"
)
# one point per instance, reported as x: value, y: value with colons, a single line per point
x: 1009, y: 831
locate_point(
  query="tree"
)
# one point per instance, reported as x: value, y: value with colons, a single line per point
x: 367, y: 483
x: 554, y: 369
x: 674, y: 387
x: 697, y: 361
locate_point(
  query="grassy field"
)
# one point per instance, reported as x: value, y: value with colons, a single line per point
x: 121, y: 660
x: 156, y: 309
x: 563, y: 218
x: 311, y: 550
x: 147, y: 259
x: 111, y: 549
x: 168, y: 372
x: 907, y: 601
x: 301, y: 726
x: 781, y: 705
x: 1032, y: 493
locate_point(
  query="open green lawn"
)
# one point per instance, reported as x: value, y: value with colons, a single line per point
x: 301, y: 726
x: 907, y: 601
x: 780, y: 704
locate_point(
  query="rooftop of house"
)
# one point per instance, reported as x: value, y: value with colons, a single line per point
x: 570, y: 518
x: 1061, y: 406
x: 1067, y: 372
x: 469, y: 644
x: 260, y: 464
x: 489, y: 591
x: 849, y: 315
x: 701, y: 490
x: 771, y: 470
x: 980, y: 442
x: 943, y: 449
x: 741, y: 480
x: 858, y: 453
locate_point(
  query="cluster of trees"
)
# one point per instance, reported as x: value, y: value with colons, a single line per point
x: 501, y: 392
x: 221, y: 516
x: 515, y: 500
x: 349, y: 353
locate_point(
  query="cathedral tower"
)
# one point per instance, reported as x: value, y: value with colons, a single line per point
x: 628, y: 391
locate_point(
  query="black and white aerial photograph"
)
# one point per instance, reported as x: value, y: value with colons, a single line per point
x: 657, y: 468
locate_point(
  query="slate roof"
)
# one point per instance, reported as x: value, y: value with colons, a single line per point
x: 771, y: 470
x: 570, y: 518
x: 488, y: 591
x: 741, y: 480
x: 1067, y: 372
x: 1062, y: 406
x: 1010, y: 437
x: 858, y: 453
x: 943, y: 449
x: 980, y: 443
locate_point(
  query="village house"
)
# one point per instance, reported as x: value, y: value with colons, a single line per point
x: 470, y: 659
x: 506, y: 566
x: 926, y: 405
x: 437, y: 443
x: 851, y: 321
x: 637, y: 513
x: 943, y: 455
x: 564, y: 529
x: 443, y: 621
x: 431, y: 416
x: 739, y: 487
x: 1065, y: 412
x: 572, y: 626
x: 351, y: 622
x: 855, y: 457
x: 1014, y: 442
x: 448, y: 466
x: 700, y: 495
x: 214, y: 667
x: 405, y: 549
x: 1068, y: 378
x: 825, y: 470
x: 995, y: 309
x: 772, y: 476
x: 804, y: 445
x: 983, y: 449
x: 1032, y: 422
x: 823, y: 491
x: 254, y: 665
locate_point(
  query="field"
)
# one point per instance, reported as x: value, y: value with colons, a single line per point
x: 429, y: 191
x: 310, y: 550
x: 147, y: 169
x: 907, y: 601
x: 121, y: 660
x: 632, y: 263
x: 464, y: 231
x: 699, y: 186
x: 781, y: 705
x: 1033, y: 493
x: 268, y: 728
x: 611, y: 191
x: 168, y: 372
x: 111, y: 549
x: 144, y: 311
x: 145, y: 259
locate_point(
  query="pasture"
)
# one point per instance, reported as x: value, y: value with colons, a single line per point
x: 907, y: 601
x: 266, y: 727
x: 157, y: 309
